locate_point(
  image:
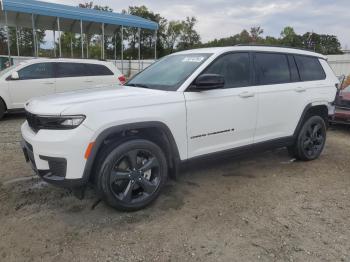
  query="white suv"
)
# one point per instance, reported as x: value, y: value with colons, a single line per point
x: 39, y: 77
x: 188, y: 105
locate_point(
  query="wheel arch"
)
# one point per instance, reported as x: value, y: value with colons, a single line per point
x: 320, y: 109
x: 3, y: 101
x: 156, y: 132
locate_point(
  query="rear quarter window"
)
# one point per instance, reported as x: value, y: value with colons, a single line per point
x: 310, y: 68
x: 98, y: 70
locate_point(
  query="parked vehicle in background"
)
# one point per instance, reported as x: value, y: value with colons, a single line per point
x: 189, y: 105
x: 342, y: 110
x: 39, y: 77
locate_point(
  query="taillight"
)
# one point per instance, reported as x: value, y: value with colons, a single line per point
x: 122, y: 79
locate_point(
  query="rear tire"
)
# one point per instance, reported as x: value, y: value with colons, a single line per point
x: 2, y: 108
x: 311, y: 139
x: 132, y: 174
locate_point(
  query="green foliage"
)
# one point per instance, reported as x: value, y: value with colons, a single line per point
x: 189, y: 37
x: 324, y: 44
x: 173, y: 34
x: 255, y: 33
x: 25, y: 41
x: 147, y: 36
x: 3, y: 41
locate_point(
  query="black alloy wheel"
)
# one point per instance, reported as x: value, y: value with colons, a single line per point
x: 132, y: 175
x: 311, y: 139
x: 135, y: 176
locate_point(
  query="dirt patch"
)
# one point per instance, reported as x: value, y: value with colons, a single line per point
x: 264, y: 207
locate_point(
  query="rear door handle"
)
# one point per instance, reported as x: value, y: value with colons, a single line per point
x: 300, y: 89
x: 49, y: 83
x: 88, y: 81
x: 246, y: 94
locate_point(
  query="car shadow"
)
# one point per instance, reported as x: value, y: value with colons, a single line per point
x: 340, y: 127
x: 13, y: 116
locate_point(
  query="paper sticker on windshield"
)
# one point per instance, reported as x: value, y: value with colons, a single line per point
x: 193, y: 59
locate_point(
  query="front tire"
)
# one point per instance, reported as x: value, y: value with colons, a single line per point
x: 311, y: 139
x: 132, y: 175
x: 2, y: 109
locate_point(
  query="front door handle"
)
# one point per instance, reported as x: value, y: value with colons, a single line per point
x: 88, y: 81
x: 300, y: 89
x: 246, y: 94
x: 49, y: 83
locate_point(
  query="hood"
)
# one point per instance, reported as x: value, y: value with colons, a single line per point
x: 92, y: 99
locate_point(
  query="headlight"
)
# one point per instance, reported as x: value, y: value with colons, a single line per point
x: 60, y: 122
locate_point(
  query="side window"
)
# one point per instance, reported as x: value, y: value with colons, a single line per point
x: 98, y: 70
x: 310, y: 68
x: 36, y: 71
x: 234, y: 67
x: 271, y: 68
x: 71, y: 70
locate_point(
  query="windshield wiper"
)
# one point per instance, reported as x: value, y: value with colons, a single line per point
x: 139, y: 85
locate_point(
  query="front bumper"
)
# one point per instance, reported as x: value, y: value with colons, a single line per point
x: 57, y: 156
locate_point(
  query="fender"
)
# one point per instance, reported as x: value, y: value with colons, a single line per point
x: 116, y: 129
x: 303, y: 115
x: 5, y: 98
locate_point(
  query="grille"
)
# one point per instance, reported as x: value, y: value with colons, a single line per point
x: 58, y: 167
x: 33, y: 121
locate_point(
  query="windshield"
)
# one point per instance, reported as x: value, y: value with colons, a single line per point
x: 6, y: 70
x: 168, y: 73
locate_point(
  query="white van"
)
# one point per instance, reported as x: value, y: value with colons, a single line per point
x: 39, y: 77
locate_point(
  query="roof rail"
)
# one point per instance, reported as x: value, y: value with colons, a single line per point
x: 281, y: 46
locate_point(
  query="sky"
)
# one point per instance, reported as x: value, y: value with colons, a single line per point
x: 223, y: 18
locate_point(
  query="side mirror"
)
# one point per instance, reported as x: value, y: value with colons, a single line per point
x: 209, y: 81
x: 15, y: 76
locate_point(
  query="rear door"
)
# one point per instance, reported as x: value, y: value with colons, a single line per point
x: 282, y: 97
x: 225, y: 118
x: 34, y: 80
x: 72, y: 76
x: 320, y: 86
x: 76, y: 76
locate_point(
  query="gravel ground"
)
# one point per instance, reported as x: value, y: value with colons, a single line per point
x: 264, y: 207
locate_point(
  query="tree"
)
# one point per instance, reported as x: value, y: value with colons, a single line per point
x: 95, y: 41
x: 173, y: 34
x: 25, y: 41
x: 255, y: 33
x: 147, y: 36
x: 290, y: 38
x: 325, y: 44
x: 3, y: 41
x: 189, y: 37
x: 270, y: 40
x: 244, y: 37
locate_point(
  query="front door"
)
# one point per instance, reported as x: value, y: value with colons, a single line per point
x: 34, y: 80
x: 223, y: 119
